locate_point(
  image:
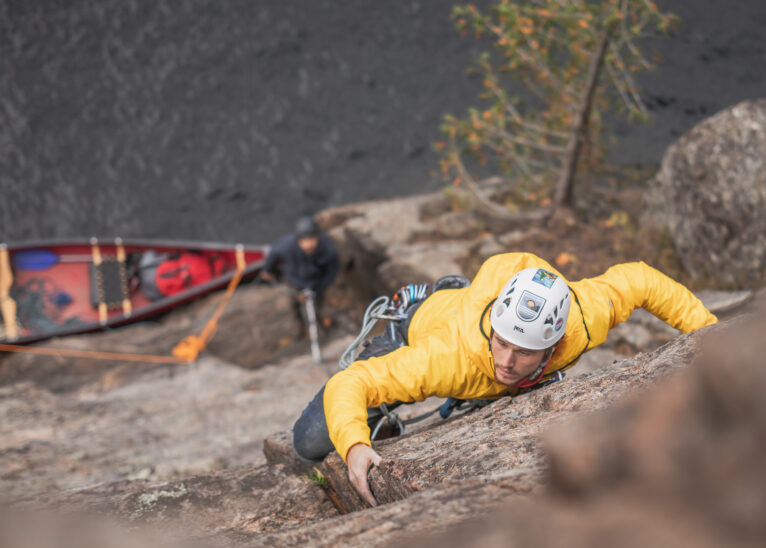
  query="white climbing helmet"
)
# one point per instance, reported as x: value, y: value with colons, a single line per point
x: 532, y: 309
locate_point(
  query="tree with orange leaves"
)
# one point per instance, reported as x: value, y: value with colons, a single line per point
x: 573, y: 57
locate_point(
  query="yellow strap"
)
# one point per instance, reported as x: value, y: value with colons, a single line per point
x: 95, y: 251
x: 7, y: 303
x: 97, y: 260
x: 127, y: 306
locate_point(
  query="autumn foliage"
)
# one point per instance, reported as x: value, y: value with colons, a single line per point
x: 576, y: 60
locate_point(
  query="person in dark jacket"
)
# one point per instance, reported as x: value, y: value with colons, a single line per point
x: 307, y: 260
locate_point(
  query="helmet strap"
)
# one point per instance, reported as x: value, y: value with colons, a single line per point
x: 543, y: 363
x: 535, y: 377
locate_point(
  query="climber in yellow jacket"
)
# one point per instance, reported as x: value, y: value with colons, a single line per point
x: 517, y: 324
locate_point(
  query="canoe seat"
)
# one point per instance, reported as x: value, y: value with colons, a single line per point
x: 109, y: 283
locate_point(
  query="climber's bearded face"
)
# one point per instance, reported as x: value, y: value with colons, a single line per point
x: 309, y: 244
x: 513, y: 363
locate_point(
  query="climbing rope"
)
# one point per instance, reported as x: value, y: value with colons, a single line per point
x: 375, y: 311
x: 184, y: 352
x: 189, y: 348
x: 444, y: 410
x: 71, y: 353
x: 390, y: 417
x: 383, y: 308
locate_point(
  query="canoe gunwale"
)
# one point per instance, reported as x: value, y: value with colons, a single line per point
x: 156, y: 307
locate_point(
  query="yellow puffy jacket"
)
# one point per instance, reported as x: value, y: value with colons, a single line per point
x: 448, y: 356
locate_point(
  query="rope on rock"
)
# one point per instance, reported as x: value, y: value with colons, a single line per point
x: 374, y: 311
x: 72, y: 353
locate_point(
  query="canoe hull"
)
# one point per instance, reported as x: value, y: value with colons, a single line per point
x: 55, y: 283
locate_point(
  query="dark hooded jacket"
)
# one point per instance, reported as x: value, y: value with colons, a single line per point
x: 315, y: 272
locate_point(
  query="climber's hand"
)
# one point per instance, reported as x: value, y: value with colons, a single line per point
x: 360, y: 459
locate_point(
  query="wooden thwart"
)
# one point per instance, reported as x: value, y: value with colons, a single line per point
x: 7, y: 303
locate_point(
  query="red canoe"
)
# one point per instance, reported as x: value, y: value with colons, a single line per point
x: 51, y: 288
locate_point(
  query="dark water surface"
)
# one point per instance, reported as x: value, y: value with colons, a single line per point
x: 225, y: 119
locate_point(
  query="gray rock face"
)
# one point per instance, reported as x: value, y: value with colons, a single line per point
x: 710, y: 194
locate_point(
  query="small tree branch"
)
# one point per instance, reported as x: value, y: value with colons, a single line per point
x: 630, y: 84
x: 618, y: 86
x: 563, y: 195
x: 502, y: 134
x: 529, y: 125
x: 534, y: 162
x: 533, y: 60
x: 494, y: 209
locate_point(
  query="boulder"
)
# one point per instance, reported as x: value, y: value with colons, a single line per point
x: 389, y: 243
x: 420, y: 263
x: 278, y: 450
x: 710, y: 195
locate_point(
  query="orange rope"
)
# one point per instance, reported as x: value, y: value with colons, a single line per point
x: 89, y: 354
x: 191, y: 346
x: 185, y: 352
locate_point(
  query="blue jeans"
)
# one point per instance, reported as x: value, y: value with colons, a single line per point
x: 311, y: 440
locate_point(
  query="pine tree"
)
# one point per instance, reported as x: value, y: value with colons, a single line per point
x: 574, y: 58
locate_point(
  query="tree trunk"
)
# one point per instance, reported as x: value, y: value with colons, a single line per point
x: 564, y: 195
